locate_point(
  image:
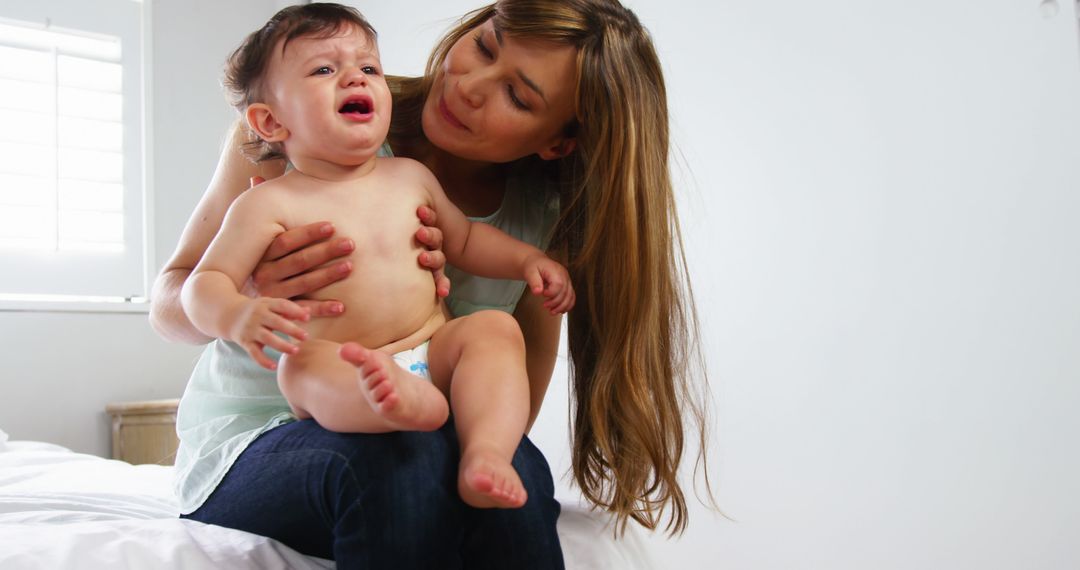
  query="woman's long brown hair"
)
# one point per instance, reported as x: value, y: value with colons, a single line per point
x: 633, y: 334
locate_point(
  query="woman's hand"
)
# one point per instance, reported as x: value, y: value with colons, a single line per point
x: 431, y: 237
x: 293, y: 266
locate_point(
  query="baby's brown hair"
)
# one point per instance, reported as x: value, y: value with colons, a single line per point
x: 245, y: 70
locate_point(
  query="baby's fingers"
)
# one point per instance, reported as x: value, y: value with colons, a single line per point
x: 554, y: 286
x: 566, y: 303
x: 283, y: 345
x: 279, y: 323
x: 255, y: 351
x: 562, y: 301
x: 554, y: 294
x: 535, y: 281
x: 290, y: 310
x: 556, y: 305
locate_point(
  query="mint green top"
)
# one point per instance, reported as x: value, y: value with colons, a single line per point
x: 229, y: 400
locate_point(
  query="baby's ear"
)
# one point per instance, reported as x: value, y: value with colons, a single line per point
x: 260, y: 117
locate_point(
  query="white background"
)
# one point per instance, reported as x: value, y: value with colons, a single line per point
x: 879, y: 201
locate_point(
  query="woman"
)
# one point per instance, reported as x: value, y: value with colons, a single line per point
x: 549, y: 119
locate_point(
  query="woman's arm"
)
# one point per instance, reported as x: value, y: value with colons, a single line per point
x: 541, y: 330
x: 230, y: 180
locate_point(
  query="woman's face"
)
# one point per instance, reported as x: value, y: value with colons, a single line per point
x: 498, y: 98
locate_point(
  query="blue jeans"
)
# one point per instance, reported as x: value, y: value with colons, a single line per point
x: 388, y: 500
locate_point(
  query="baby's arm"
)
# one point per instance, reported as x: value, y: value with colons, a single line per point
x: 484, y: 250
x: 211, y: 296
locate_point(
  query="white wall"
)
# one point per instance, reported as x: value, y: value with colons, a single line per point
x: 191, y: 41
x: 60, y: 369
x: 876, y: 198
x: 881, y: 218
x: 877, y: 201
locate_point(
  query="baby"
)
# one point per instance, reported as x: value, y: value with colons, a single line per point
x: 311, y: 88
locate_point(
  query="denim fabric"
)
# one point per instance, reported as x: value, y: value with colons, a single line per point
x: 389, y: 500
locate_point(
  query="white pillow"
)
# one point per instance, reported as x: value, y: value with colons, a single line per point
x: 3, y: 439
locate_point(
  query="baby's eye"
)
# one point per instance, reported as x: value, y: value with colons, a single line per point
x: 370, y: 70
x: 324, y: 70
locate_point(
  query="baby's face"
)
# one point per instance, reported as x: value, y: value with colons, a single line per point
x: 331, y: 95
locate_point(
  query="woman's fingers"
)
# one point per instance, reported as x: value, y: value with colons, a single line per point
x: 296, y: 238
x: 289, y: 309
x: 434, y: 260
x: 307, y: 282
x: 328, y: 308
x: 294, y: 275
x: 442, y: 284
x: 427, y: 215
x: 430, y: 237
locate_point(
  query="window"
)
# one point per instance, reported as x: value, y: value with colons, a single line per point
x: 71, y: 149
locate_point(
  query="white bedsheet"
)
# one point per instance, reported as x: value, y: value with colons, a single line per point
x: 60, y: 509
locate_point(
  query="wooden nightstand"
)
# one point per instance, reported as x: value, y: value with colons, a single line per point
x: 144, y: 432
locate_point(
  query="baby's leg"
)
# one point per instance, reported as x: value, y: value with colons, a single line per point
x: 480, y: 360
x: 373, y: 398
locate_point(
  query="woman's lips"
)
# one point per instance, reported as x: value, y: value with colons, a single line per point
x: 450, y: 118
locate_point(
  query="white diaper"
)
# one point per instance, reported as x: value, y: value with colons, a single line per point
x: 415, y: 360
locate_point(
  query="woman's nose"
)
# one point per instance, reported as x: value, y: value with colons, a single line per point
x: 471, y: 86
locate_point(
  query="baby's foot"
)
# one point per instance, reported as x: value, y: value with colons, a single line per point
x: 488, y: 480
x: 405, y: 401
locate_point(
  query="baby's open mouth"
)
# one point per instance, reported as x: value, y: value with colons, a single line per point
x: 356, y: 106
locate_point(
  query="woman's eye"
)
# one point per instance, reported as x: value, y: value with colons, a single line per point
x: 324, y: 70
x: 514, y: 99
x: 483, y: 49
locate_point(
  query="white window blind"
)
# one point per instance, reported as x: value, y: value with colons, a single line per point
x: 71, y: 188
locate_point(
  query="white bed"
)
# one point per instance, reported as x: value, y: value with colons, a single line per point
x: 60, y: 509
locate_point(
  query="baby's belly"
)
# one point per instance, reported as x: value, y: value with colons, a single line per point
x: 385, y: 306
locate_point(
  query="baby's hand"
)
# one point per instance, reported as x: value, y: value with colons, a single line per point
x: 549, y: 278
x: 253, y: 323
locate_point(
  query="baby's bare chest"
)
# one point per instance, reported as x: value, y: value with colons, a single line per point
x: 382, y: 221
